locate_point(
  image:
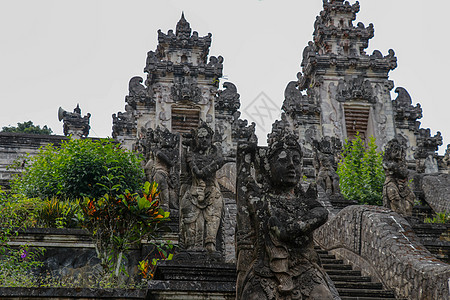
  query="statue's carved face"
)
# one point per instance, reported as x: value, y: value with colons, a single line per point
x: 204, y: 139
x: 285, y: 168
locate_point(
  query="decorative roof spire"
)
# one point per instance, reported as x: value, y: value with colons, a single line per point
x: 183, y: 27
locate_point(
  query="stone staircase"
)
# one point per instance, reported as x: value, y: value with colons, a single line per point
x: 350, y: 284
x: 435, y: 237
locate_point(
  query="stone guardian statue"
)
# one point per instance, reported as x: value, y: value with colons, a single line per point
x: 202, y: 203
x: 397, y: 195
x: 281, y: 263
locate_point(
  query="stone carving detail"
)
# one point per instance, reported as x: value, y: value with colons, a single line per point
x: 186, y: 91
x: 426, y: 144
x: 124, y: 123
x: 425, y: 153
x: 227, y: 100
x: 75, y: 124
x: 327, y: 150
x: 397, y: 195
x: 276, y: 219
x: 182, y: 38
x: 406, y: 115
x: 355, y: 89
x: 296, y: 104
x: 202, y: 203
x: 160, y: 148
x: 138, y: 93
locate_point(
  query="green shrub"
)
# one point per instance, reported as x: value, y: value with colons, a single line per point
x: 440, y: 218
x: 361, y: 173
x: 17, y: 264
x: 79, y: 168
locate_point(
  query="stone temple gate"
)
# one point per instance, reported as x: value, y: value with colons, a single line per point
x: 190, y: 132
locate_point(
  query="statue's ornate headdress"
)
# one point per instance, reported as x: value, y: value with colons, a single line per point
x: 282, y: 137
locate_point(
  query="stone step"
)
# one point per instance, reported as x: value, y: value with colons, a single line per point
x: 349, y: 283
x: 327, y: 256
x: 341, y: 278
x: 358, y: 285
x: 366, y: 298
x: 366, y: 293
x: 329, y: 261
x: 336, y: 267
x: 343, y: 272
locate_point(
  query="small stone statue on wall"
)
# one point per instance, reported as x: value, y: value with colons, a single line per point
x: 282, y: 263
x: 201, y: 202
x: 160, y: 147
x: 397, y: 195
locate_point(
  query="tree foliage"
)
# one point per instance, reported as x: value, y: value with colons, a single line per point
x: 79, y: 168
x: 28, y: 127
x: 361, y: 173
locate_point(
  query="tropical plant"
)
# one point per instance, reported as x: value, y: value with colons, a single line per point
x: 361, y: 173
x: 117, y: 222
x: 60, y: 214
x: 77, y: 169
x: 440, y: 218
x: 16, y: 264
x: 28, y: 127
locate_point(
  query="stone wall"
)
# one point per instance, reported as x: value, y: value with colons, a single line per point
x: 436, y: 191
x: 13, y: 146
x: 384, y: 244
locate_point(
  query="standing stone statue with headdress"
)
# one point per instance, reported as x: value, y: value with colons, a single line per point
x: 160, y: 147
x: 201, y: 203
x: 281, y: 217
x: 397, y: 195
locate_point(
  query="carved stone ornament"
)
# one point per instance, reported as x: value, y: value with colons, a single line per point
x: 275, y: 223
x: 427, y: 144
x: 227, y: 100
x: 124, y: 123
x: 75, y: 124
x: 201, y: 201
x: 355, y: 89
x: 186, y: 91
x: 327, y: 149
x: 296, y: 104
x: 138, y: 93
x: 405, y: 113
x: 397, y: 195
x: 160, y: 148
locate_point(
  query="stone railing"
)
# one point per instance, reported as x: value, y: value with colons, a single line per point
x: 382, y: 243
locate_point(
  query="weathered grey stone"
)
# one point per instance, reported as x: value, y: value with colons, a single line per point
x: 75, y: 124
x: 390, y: 250
x: 276, y: 258
x: 201, y: 202
x: 436, y: 188
x: 161, y: 149
x: 15, y: 146
x: 397, y: 195
x: 21, y: 293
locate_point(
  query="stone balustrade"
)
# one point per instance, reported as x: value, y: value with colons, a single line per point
x: 383, y: 244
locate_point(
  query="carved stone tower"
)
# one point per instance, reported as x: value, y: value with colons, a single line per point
x: 343, y: 90
x: 347, y: 90
x: 180, y: 90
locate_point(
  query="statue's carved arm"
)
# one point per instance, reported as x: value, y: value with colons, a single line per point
x: 288, y: 231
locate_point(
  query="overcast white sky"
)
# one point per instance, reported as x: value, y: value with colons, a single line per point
x: 64, y: 52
